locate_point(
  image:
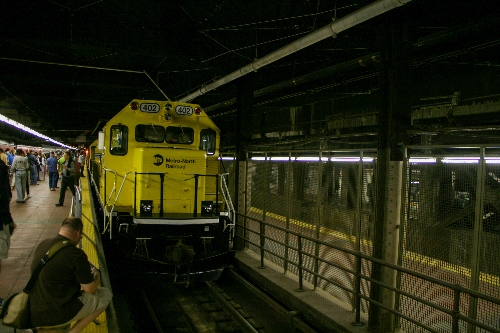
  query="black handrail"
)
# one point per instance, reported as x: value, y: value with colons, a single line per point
x: 456, y: 288
x: 162, y: 182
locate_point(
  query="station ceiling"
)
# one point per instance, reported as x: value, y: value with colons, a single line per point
x: 67, y: 65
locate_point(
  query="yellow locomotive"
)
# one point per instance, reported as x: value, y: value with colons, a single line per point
x: 161, y: 197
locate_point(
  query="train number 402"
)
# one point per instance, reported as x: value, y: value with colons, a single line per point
x: 183, y: 110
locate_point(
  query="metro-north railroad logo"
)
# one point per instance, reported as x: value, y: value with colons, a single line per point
x: 158, y: 159
x: 172, y: 163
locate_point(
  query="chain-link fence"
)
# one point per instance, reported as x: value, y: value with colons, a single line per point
x: 320, y: 196
x: 452, y: 232
x: 450, y: 227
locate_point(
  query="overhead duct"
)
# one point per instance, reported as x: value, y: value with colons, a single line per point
x: 449, y: 35
x: 324, y: 72
x: 361, y: 15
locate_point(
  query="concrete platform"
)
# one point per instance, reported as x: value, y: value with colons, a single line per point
x: 315, y: 306
x: 37, y: 219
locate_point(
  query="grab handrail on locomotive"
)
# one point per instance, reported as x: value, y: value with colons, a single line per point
x: 163, y: 203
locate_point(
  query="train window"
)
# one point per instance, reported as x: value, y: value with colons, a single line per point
x: 149, y: 133
x: 118, y: 140
x: 207, y: 141
x: 182, y: 135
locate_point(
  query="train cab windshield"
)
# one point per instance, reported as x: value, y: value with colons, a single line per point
x: 182, y: 135
x: 158, y: 134
x: 149, y: 133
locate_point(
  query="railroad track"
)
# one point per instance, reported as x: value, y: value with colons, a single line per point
x: 156, y: 308
x: 230, y: 304
x: 252, y: 309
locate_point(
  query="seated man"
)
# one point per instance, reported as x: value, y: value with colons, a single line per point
x: 67, y: 289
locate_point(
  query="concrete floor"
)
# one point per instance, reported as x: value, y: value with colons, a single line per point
x: 38, y: 218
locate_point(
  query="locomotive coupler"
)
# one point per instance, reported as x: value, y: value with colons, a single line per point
x: 180, y: 253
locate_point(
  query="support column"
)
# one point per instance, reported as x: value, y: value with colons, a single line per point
x: 394, y: 120
x: 244, y: 101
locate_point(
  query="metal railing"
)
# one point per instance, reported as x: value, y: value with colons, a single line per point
x: 76, y: 203
x: 227, y: 199
x: 224, y: 190
x: 115, y: 193
x: 113, y: 190
x: 454, y: 312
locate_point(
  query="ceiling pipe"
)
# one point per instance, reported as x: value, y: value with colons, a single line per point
x: 448, y: 35
x: 361, y: 15
x: 324, y: 72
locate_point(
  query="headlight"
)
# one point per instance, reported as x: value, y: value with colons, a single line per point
x: 207, y: 207
x: 146, y: 207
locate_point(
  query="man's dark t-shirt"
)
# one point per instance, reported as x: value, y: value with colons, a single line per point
x: 54, y: 299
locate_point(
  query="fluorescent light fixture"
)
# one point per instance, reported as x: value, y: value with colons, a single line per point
x: 30, y: 131
x: 470, y: 160
x: 313, y: 159
x: 307, y: 159
x: 423, y: 160
x: 227, y: 158
x: 492, y: 160
x: 489, y: 160
x: 348, y: 159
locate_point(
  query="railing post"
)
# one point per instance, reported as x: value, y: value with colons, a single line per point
x: 264, y: 213
x: 105, y: 189
x: 357, y: 291
x: 135, y: 194
x: 456, y: 309
x: 477, y: 242
x: 318, y: 219
x: 262, y: 244
x: 288, y: 197
x: 195, y: 212
x: 299, y: 245
x: 104, y: 199
x: 217, y: 194
x: 78, y: 210
x: 162, y: 181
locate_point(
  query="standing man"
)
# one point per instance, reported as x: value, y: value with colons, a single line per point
x: 68, y: 177
x: 60, y: 160
x: 5, y: 217
x: 67, y: 289
x: 53, y: 166
x: 33, y: 168
x: 81, y: 160
x: 19, y: 167
x: 10, y: 158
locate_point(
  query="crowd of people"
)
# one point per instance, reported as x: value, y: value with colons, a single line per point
x: 67, y: 293
x: 29, y: 168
